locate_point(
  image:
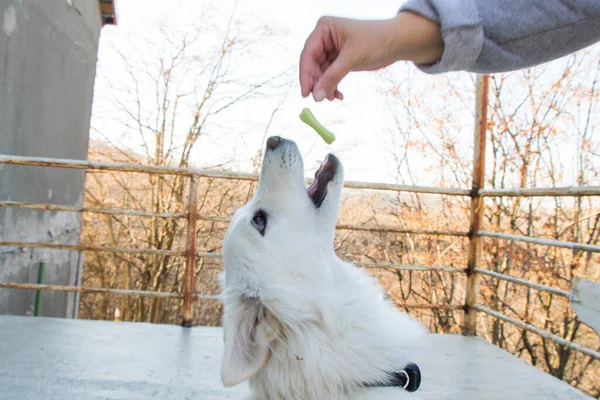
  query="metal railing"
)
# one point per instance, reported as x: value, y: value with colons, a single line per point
x: 192, y: 216
x: 473, y: 271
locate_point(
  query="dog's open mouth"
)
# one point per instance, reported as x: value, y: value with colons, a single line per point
x: 318, y: 190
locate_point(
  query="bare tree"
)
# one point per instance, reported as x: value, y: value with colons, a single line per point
x: 174, y: 92
x: 534, y: 118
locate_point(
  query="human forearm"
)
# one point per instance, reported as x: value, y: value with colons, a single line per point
x: 503, y: 35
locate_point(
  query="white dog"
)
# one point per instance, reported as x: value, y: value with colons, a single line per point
x: 300, y: 323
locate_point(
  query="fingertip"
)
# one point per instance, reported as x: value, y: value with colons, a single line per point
x: 307, y: 73
x: 306, y: 80
x: 319, y: 94
x: 304, y: 91
x: 333, y: 75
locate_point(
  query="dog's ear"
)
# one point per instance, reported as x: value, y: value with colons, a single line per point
x: 247, y: 333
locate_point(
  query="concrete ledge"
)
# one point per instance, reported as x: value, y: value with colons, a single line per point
x: 46, y: 358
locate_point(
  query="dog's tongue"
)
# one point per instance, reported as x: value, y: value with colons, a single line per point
x: 312, y: 189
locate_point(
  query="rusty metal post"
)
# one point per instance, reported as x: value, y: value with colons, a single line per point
x: 474, y: 256
x: 190, y: 264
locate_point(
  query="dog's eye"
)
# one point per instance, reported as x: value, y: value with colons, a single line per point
x: 260, y: 221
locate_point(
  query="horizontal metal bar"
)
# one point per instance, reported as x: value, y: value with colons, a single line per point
x: 165, y: 295
x: 122, y: 167
x: 110, y: 211
x: 542, y: 241
x: 524, y: 282
x: 125, y: 292
x: 207, y: 173
x: 57, y: 207
x: 573, y: 191
x: 373, y: 265
x: 369, y: 228
x: 209, y: 254
x: 200, y: 254
x: 85, y: 247
x: 391, y: 229
x: 211, y: 218
x: 408, y: 267
x: 406, y: 188
x: 561, y: 341
x: 154, y: 169
x: 459, y: 307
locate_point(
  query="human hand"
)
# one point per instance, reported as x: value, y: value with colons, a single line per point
x: 340, y: 45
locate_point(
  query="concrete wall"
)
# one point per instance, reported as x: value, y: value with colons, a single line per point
x: 48, y: 52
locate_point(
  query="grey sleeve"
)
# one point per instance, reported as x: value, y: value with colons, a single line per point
x: 487, y: 36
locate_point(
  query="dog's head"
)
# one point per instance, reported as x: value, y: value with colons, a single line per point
x: 275, y: 246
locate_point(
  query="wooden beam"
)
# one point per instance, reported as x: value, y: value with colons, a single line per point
x: 107, y: 12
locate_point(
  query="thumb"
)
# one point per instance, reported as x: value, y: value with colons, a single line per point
x: 327, y: 84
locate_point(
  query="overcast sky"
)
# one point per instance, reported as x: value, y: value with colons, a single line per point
x: 362, y: 122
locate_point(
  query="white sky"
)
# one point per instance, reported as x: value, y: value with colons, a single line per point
x: 361, y: 122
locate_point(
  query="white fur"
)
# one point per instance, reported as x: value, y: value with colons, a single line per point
x: 300, y: 323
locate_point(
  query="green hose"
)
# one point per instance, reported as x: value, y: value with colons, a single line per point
x: 38, y: 293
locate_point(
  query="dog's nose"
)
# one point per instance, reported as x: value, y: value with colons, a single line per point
x: 272, y: 142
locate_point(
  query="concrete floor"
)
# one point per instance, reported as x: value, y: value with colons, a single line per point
x: 44, y: 358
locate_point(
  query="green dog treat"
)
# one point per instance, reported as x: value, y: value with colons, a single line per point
x: 309, y: 119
